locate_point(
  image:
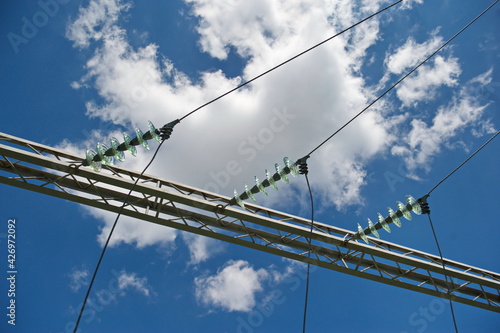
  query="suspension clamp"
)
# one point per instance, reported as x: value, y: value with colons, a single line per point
x: 424, y: 205
x: 303, y: 165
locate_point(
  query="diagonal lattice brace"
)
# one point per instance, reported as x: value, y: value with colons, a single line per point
x: 52, y: 172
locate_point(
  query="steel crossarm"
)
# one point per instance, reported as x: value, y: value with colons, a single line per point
x: 49, y: 171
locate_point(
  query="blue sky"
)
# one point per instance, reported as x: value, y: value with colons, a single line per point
x: 90, y: 70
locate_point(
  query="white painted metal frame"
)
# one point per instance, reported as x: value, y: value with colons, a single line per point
x: 49, y: 171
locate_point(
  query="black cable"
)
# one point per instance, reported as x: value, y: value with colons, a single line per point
x: 468, y: 158
x: 444, y: 273
x: 304, y: 171
x: 190, y: 113
x: 427, y: 211
x: 404, y: 77
x: 125, y: 202
x: 287, y: 61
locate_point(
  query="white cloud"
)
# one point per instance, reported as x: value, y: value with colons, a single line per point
x: 425, y: 141
x: 285, y: 113
x: 201, y: 248
x: 93, y: 20
x: 411, y: 53
x: 132, y: 231
x: 79, y: 278
x: 233, y: 288
x: 282, y: 114
x: 422, y: 85
x: 408, y: 4
x: 132, y: 281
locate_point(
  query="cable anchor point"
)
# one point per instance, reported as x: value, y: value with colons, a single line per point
x: 166, y: 130
x: 302, y: 163
x: 424, y: 204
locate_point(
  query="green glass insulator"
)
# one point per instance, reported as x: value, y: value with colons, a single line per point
x: 415, y: 206
x: 238, y: 199
x: 118, y: 154
x: 282, y: 173
x: 127, y: 140
x: 249, y: 193
x: 271, y: 181
x: 101, y: 151
x: 394, y: 217
x: 261, y: 187
x: 372, y: 228
x: 140, y: 138
x: 362, y: 234
x: 152, y: 131
x: 402, y: 208
x: 293, y: 167
x: 383, y: 223
x: 89, y: 156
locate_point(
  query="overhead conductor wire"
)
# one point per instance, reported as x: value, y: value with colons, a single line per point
x: 366, y: 108
x: 401, y: 79
x: 290, y: 59
x: 451, y: 283
x: 125, y: 202
x: 239, y: 87
x: 458, y: 167
x: 304, y: 171
x: 194, y: 111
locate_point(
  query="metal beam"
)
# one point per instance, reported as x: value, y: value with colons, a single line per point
x: 49, y: 171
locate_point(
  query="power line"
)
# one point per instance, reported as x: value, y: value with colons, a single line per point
x: 304, y: 171
x: 125, y: 202
x: 434, y: 232
x: 404, y: 77
x: 468, y: 158
x: 444, y: 272
x: 287, y: 61
x: 185, y: 116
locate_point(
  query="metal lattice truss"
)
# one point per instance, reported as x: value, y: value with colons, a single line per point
x: 46, y: 170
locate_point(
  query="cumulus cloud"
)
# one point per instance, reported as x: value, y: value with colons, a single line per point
x: 132, y: 231
x: 423, y: 85
x: 93, y: 20
x: 233, y: 288
x: 408, y: 4
x: 131, y: 281
x: 201, y: 248
x: 285, y: 113
x: 424, y: 141
x: 79, y: 278
x: 254, y: 127
x: 411, y: 53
